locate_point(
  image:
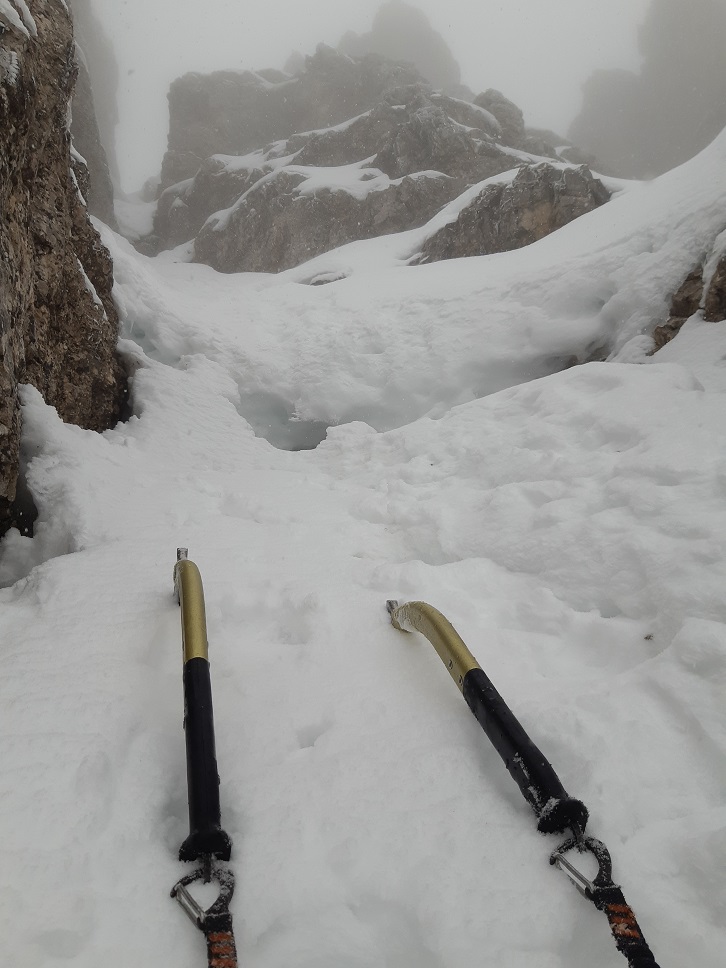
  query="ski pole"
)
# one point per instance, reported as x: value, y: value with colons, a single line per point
x: 207, y: 841
x: 556, y: 811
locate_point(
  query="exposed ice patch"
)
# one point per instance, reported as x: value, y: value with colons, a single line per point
x: 273, y: 418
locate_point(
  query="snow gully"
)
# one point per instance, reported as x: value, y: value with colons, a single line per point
x: 207, y: 841
x: 541, y: 787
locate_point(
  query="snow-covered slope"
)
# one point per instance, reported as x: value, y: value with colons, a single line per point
x: 387, y: 344
x: 571, y: 527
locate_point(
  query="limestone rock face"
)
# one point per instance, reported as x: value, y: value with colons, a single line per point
x: 428, y: 137
x: 715, y: 302
x: 538, y: 201
x: 410, y: 131
x: 58, y: 324
x: 508, y: 115
x: 277, y: 225
x: 347, y: 149
x: 693, y: 295
x: 234, y: 112
x: 686, y: 301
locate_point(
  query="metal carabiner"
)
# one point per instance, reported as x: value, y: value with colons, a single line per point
x: 191, y: 907
x: 601, y: 854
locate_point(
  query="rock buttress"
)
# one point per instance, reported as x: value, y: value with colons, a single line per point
x: 58, y: 324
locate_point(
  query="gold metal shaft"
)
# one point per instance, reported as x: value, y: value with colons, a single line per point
x: 188, y: 584
x: 441, y: 634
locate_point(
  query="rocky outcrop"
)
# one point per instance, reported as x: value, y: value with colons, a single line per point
x: 538, y: 201
x: 700, y: 291
x: 58, y: 324
x: 273, y: 224
x: 509, y: 116
x: 686, y: 301
x: 429, y: 137
x: 278, y: 224
x: 714, y: 303
x: 410, y: 130
x: 234, y: 112
x: 397, y: 158
x: 401, y: 32
x: 640, y: 125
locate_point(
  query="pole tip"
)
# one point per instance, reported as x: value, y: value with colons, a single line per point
x: 392, y: 607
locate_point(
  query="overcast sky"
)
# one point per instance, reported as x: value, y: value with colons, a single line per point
x: 537, y: 52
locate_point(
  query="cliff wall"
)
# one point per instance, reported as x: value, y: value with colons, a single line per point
x: 58, y: 324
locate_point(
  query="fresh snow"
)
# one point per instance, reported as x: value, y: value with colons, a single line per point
x: 13, y: 19
x: 135, y: 216
x: 358, y: 179
x: 27, y: 16
x: 571, y: 527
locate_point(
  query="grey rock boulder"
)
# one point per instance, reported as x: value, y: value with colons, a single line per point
x: 277, y: 224
x: 509, y: 116
x: 503, y: 217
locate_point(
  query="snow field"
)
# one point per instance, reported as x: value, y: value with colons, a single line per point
x: 386, y: 346
x: 572, y: 528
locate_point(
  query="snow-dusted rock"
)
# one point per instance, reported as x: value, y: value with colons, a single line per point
x: 704, y: 290
x: 686, y: 301
x: 296, y: 214
x: 429, y: 137
x: 715, y: 301
x: 415, y: 150
x: 246, y: 142
x: 410, y: 131
x: 234, y: 112
x: 509, y: 116
x: 503, y: 217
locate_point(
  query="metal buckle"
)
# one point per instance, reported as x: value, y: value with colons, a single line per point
x: 191, y: 907
x: 601, y: 854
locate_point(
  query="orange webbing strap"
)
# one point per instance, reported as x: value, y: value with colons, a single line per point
x: 626, y: 930
x: 221, y: 949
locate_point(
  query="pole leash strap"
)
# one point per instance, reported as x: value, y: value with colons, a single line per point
x: 221, y: 952
x: 216, y: 922
x: 608, y: 898
x: 537, y: 780
x: 626, y: 930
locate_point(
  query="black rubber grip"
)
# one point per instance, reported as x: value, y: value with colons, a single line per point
x: 533, y: 774
x: 206, y: 837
